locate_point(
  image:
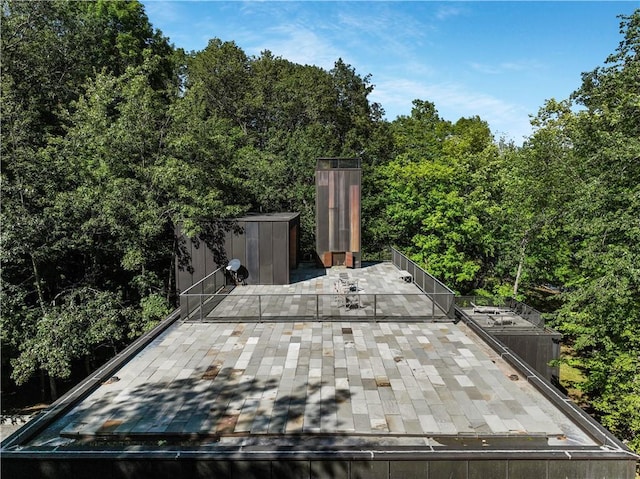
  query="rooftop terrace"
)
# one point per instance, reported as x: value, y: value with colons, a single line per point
x: 285, y: 388
x: 377, y: 291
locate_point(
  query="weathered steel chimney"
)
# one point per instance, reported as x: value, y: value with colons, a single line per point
x: 338, y: 190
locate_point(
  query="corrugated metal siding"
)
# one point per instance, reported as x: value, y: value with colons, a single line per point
x: 267, y: 257
x: 322, y: 212
x: 354, y: 210
x: 209, y: 264
x: 184, y: 278
x: 198, y: 261
x: 252, y: 252
x: 294, y: 245
x: 238, y: 245
x: 342, y: 212
x: 280, y: 253
x: 267, y: 246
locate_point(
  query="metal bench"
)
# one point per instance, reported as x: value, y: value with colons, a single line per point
x: 488, y: 309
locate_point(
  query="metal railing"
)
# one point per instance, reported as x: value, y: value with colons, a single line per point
x: 521, y: 309
x: 440, y: 294
x: 352, y: 306
x: 527, y: 312
x: 204, y: 301
x: 203, y: 294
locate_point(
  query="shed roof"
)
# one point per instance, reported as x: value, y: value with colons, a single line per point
x: 267, y: 217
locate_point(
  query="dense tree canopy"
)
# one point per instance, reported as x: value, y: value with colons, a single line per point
x: 440, y: 194
x: 111, y: 137
x: 601, y: 311
x: 84, y: 87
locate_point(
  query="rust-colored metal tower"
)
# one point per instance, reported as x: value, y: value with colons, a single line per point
x: 338, y: 191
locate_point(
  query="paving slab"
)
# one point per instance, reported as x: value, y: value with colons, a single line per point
x: 378, y: 293
x: 261, y: 382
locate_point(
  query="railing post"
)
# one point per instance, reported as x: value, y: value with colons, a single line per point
x: 433, y: 303
x: 375, y: 306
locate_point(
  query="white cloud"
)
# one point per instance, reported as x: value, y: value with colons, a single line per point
x: 162, y: 11
x: 454, y: 101
x: 506, y: 67
x: 364, y: 24
x: 299, y: 45
x: 445, y: 11
x: 382, y: 29
x: 403, y: 49
x: 484, y: 68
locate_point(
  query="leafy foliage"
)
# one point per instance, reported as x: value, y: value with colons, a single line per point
x: 438, y: 191
x: 112, y: 138
x: 84, y: 320
x: 83, y: 239
x: 601, y: 311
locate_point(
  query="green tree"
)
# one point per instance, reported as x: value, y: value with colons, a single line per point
x: 68, y: 174
x: 75, y: 327
x: 601, y: 311
x: 441, y: 194
x: 538, y: 182
x: 50, y: 48
x: 280, y: 117
x: 222, y: 69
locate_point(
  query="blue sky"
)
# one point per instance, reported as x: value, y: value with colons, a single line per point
x: 498, y: 60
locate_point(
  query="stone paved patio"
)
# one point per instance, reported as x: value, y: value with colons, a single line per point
x: 285, y: 397
x: 379, y: 293
x: 405, y: 382
x: 333, y: 377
